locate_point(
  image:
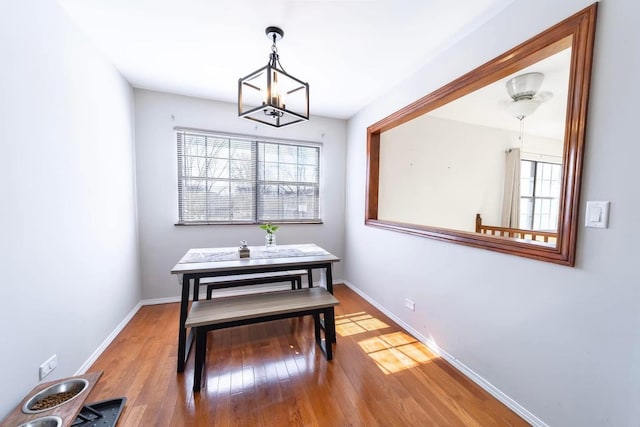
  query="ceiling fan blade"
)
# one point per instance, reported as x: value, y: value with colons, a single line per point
x: 503, y: 103
x: 543, y: 96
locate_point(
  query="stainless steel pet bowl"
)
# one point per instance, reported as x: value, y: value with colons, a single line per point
x: 50, y: 421
x: 73, y: 385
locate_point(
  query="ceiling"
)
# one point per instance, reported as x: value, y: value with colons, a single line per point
x: 349, y: 51
x: 488, y: 106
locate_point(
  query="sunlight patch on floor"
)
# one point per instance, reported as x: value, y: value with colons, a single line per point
x: 356, y: 323
x: 396, y: 351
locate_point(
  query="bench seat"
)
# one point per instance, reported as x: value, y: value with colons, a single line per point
x: 223, y: 282
x: 237, y: 310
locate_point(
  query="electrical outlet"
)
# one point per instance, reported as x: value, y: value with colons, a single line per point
x: 409, y: 305
x: 48, y: 366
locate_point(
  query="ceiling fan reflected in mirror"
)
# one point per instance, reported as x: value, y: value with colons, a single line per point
x: 525, y: 99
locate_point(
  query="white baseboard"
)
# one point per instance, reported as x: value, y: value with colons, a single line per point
x: 86, y: 365
x: 157, y: 301
x: 468, y: 372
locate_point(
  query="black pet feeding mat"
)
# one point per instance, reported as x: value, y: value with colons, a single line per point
x: 100, y: 414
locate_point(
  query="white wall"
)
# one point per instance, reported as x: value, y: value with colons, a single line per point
x: 442, y: 173
x: 540, y: 148
x: 562, y: 342
x: 68, y: 251
x: 162, y: 243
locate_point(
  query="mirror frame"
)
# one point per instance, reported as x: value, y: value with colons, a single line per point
x: 577, y: 32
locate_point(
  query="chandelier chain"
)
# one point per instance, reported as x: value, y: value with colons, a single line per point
x: 274, y: 57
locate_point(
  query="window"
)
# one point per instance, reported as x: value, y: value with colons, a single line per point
x: 539, y: 195
x: 237, y: 179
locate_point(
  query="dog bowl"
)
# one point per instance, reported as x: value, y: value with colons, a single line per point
x: 55, y: 395
x: 50, y: 421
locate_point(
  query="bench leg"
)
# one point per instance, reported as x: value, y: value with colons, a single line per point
x: 316, y: 328
x: 201, y: 353
x: 329, y: 331
x: 209, y: 292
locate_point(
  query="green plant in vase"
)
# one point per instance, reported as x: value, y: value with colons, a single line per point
x: 270, y: 237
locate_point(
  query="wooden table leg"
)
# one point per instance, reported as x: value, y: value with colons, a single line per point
x: 196, y: 289
x: 310, y: 277
x: 182, y: 331
x: 331, y: 337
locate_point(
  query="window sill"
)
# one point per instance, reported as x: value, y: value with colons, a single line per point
x: 180, y: 224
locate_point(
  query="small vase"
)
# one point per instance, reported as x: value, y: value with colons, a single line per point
x: 270, y: 240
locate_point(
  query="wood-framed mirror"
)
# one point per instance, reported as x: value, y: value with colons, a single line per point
x: 494, y: 158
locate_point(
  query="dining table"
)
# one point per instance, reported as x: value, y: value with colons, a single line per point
x: 200, y: 263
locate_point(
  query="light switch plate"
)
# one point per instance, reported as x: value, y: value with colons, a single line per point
x: 597, y: 215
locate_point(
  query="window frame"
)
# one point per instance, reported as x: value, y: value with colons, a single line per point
x: 534, y: 197
x: 255, y: 140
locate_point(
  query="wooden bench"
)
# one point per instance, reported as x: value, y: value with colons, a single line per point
x: 255, y: 308
x: 222, y: 282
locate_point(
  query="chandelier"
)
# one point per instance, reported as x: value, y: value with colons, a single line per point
x: 270, y: 95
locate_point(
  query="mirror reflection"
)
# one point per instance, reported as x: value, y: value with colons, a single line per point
x: 489, y: 162
x: 492, y: 159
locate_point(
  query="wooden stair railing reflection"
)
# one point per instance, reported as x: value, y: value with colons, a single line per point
x: 516, y: 233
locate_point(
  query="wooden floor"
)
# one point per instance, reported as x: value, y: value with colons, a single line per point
x: 273, y: 374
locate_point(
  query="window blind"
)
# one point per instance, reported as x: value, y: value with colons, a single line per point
x: 237, y: 179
